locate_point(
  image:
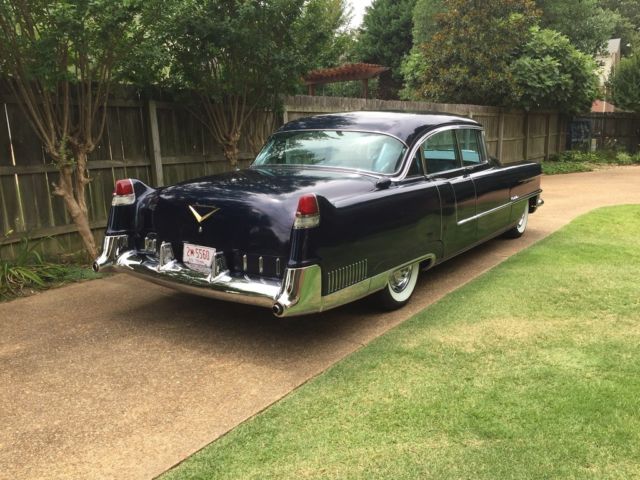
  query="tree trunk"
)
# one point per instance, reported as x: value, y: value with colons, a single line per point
x: 76, y: 205
x: 230, y: 147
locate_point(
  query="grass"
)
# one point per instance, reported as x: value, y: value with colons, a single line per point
x: 574, y: 161
x: 530, y: 371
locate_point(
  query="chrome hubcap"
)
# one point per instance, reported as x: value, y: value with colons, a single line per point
x: 400, y: 279
x: 521, y: 221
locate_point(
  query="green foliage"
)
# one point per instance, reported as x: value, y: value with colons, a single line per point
x: 573, y: 161
x: 628, y: 25
x: 73, y: 41
x: 550, y: 73
x: 27, y: 269
x: 625, y: 83
x: 322, y: 31
x: 425, y: 19
x: 385, y: 38
x: 227, y: 48
x: 468, y: 60
x: 587, y: 25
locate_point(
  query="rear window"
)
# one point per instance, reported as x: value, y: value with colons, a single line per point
x: 371, y: 152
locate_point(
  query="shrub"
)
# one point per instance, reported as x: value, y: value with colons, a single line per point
x: 28, y: 269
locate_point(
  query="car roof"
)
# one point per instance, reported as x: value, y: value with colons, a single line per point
x: 407, y: 127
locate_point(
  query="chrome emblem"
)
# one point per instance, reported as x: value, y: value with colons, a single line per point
x: 201, y: 218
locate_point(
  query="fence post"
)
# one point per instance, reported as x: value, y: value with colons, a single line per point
x: 157, y: 174
x: 547, y: 140
x: 500, y: 135
x: 525, y: 143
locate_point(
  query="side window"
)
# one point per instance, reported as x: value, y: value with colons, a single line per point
x: 470, y: 144
x: 415, y: 168
x: 440, y: 152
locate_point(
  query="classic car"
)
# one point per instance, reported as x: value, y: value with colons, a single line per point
x: 334, y: 208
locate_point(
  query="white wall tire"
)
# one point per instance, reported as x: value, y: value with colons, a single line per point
x: 521, y: 226
x: 399, y: 287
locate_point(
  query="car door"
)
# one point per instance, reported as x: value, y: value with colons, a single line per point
x: 457, y: 190
x: 491, y: 182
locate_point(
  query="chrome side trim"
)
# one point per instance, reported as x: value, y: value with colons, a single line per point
x: 506, y: 205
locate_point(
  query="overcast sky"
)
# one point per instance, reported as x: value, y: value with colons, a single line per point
x: 358, y: 11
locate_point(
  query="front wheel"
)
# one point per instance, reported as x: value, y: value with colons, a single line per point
x: 400, y: 287
x: 521, y: 226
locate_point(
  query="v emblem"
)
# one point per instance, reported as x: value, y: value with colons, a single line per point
x: 202, y: 218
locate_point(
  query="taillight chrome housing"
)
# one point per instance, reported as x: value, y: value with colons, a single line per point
x: 123, y: 194
x: 308, y: 212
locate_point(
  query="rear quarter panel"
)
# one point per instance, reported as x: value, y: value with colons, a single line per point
x: 384, y: 229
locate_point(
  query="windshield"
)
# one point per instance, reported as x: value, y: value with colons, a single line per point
x: 373, y: 152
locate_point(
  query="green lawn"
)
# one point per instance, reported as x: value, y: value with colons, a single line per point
x: 530, y: 371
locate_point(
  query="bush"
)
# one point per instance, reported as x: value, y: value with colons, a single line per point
x: 573, y: 161
x: 28, y: 269
x: 625, y: 83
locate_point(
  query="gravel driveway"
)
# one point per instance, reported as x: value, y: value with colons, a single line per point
x: 143, y: 376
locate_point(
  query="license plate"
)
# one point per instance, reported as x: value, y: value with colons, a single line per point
x: 198, y: 257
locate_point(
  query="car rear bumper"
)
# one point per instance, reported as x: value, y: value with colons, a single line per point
x: 298, y: 293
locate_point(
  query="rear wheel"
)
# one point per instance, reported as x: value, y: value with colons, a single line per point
x: 400, y: 287
x: 521, y: 226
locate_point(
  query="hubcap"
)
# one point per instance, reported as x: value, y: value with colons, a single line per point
x: 400, y: 279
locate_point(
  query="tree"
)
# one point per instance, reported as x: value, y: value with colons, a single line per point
x: 322, y: 30
x: 238, y: 56
x: 385, y: 38
x: 468, y: 60
x: 60, y: 60
x: 625, y: 83
x: 425, y: 15
x: 628, y: 26
x: 587, y: 25
x: 549, y: 72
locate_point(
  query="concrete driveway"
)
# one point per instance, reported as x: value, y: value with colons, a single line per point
x: 118, y: 378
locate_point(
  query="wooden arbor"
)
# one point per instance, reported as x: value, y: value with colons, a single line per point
x: 344, y: 73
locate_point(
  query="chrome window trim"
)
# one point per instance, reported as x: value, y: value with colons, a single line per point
x: 421, y: 140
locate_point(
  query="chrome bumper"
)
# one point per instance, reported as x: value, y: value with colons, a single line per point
x: 298, y: 294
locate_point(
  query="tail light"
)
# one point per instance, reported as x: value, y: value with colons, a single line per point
x: 123, y: 194
x: 308, y: 213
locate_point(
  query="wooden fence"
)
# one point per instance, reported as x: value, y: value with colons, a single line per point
x: 162, y: 143
x: 615, y: 130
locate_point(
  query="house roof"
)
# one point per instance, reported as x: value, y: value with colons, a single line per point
x: 613, y: 46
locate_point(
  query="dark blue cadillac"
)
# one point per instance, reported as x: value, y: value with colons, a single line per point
x: 334, y: 208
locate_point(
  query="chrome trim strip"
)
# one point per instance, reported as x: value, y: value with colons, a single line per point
x: 493, y: 210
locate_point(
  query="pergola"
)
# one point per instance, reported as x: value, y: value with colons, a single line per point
x: 344, y: 73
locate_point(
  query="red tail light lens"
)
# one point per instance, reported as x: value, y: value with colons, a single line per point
x: 308, y: 213
x: 123, y: 194
x: 124, y: 187
x: 308, y: 205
